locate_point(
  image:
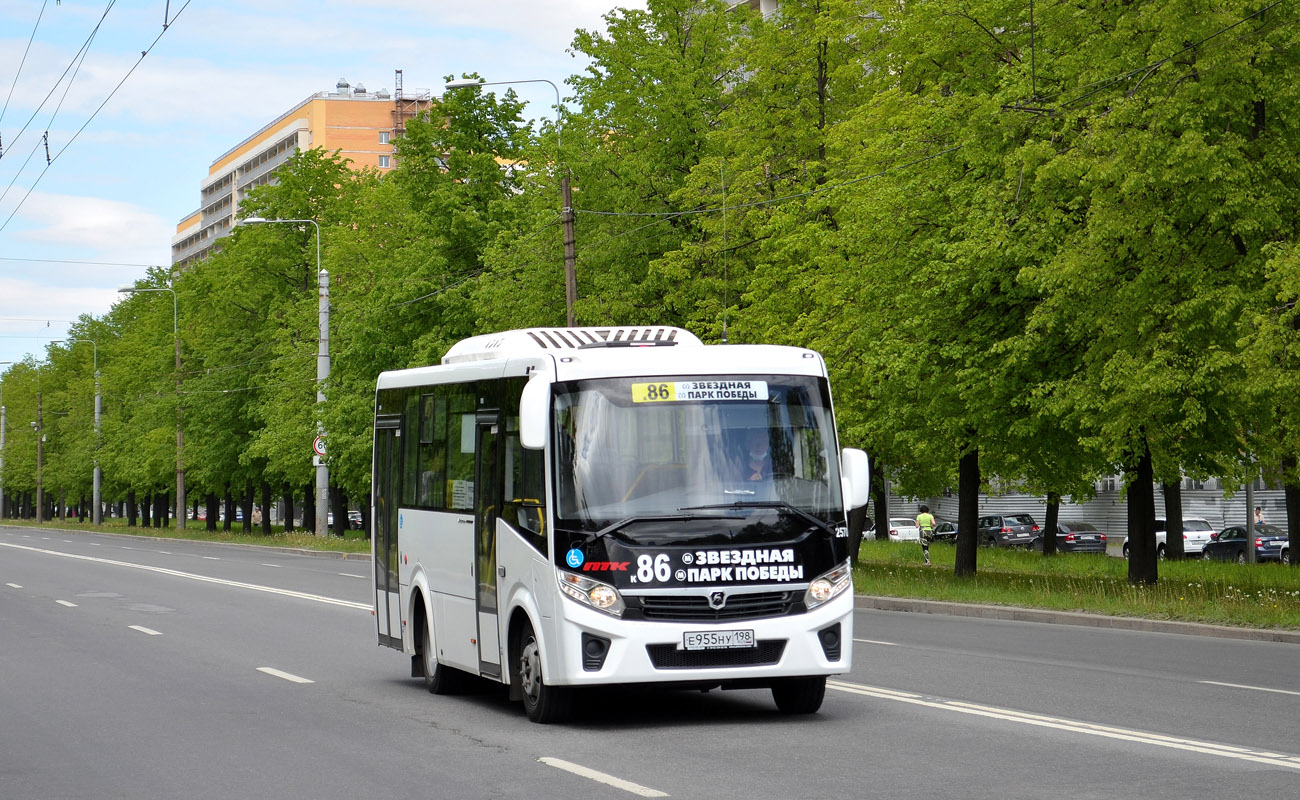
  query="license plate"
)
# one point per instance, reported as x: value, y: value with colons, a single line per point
x: 718, y: 640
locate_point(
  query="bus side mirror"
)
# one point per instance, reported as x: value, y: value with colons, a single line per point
x: 855, y: 477
x: 535, y: 412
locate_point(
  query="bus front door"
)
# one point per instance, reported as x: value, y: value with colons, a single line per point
x: 383, y: 514
x: 487, y: 507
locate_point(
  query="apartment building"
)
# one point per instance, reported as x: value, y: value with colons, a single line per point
x: 361, y: 125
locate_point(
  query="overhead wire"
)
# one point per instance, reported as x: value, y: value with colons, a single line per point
x: 21, y: 63
x: 93, y: 114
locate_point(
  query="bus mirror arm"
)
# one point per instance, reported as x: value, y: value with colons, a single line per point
x: 534, y: 412
x: 856, y: 472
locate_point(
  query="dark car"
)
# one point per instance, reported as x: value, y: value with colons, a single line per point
x: 1229, y: 544
x: 1075, y: 537
x: 945, y: 531
x: 1007, y: 530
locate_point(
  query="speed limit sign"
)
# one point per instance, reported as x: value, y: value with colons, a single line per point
x: 318, y: 446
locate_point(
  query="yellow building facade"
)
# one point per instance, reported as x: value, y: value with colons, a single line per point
x: 361, y: 125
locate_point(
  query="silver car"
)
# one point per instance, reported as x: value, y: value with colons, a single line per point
x: 1196, y: 533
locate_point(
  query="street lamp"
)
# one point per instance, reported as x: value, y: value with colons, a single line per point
x: 322, y: 372
x: 3, y: 425
x: 180, y: 440
x: 566, y: 195
x: 96, y: 516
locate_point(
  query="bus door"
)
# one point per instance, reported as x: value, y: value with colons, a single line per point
x: 383, y: 512
x: 487, y: 507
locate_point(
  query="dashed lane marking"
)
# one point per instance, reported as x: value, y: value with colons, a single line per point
x: 601, y: 777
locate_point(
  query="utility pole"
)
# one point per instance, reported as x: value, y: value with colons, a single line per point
x: 322, y: 374
x: 40, y: 460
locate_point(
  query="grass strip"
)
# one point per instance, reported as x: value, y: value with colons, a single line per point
x: 1195, y: 590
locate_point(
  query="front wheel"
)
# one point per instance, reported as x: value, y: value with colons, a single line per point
x: 1126, y: 549
x: 543, y: 703
x: 438, y: 678
x: 1241, y: 557
x: 800, y: 695
x: 1285, y: 558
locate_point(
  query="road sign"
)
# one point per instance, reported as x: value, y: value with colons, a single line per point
x: 318, y: 446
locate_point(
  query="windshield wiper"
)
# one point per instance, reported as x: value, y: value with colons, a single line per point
x: 779, y: 505
x: 615, y: 527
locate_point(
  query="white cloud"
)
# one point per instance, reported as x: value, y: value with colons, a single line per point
x: 112, y: 230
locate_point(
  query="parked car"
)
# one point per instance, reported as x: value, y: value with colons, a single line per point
x: 945, y: 531
x: 354, y: 520
x: 1229, y: 544
x: 1196, y: 532
x: 1007, y: 530
x: 901, y: 529
x: 1074, y: 537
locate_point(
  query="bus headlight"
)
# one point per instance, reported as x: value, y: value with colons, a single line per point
x: 600, y: 596
x: 828, y: 586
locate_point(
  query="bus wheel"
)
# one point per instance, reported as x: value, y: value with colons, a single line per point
x: 799, y: 695
x: 438, y: 678
x: 543, y: 704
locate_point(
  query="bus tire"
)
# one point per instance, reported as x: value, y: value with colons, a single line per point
x: 800, y: 695
x: 438, y: 678
x: 544, y: 704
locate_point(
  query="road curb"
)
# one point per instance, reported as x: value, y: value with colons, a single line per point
x: 1073, y: 618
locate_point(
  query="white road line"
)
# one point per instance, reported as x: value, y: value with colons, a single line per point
x: 211, y: 558
x: 163, y: 552
x: 143, y: 629
x: 66, y: 603
x: 1267, y: 757
x: 350, y: 575
x: 191, y: 576
x: 873, y: 641
x: 608, y: 780
x: 287, y: 676
x: 13, y: 586
x: 273, y: 566
x: 1252, y: 688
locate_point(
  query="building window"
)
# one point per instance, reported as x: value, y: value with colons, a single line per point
x: 383, y: 162
x: 383, y: 137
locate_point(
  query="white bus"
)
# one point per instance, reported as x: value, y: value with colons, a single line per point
x: 560, y: 508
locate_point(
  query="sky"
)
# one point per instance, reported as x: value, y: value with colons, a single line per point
x: 130, y: 139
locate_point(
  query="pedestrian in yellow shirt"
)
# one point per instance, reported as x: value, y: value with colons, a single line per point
x: 925, y: 521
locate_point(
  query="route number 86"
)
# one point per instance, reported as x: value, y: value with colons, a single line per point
x: 657, y: 391
x: 648, y: 570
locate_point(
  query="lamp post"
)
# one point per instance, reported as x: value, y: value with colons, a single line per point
x: 180, y: 439
x: 322, y: 371
x: 566, y: 195
x: 96, y: 515
x: 3, y: 425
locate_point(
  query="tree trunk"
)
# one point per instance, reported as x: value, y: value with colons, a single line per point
x: 1291, y: 491
x: 287, y: 491
x: 131, y: 508
x: 81, y: 508
x: 229, y: 502
x: 246, y: 505
x: 308, y: 509
x: 968, y: 510
x: 266, y: 508
x: 213, y: 511
x: 339, y: 505
x: 1142, y: 567
x: 1049, y: 524
x: 1174, y: 543
x: 879, y: 500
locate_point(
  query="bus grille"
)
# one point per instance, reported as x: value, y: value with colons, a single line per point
x: 668, y: 656
x: 693, y: 608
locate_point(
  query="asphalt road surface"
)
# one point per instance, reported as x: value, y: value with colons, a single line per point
x: 133, y: 668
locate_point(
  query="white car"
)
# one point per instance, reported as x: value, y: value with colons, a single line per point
x: 903, y: 530
x: 1196, y: 532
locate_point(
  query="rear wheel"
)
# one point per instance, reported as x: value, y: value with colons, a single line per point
x: 542, y: 703
x: 1241, y: 557
x: 1126, y: 549
x: 1285, y: 558
x: 799, y: 695
x: 438, y: 678
x: 1160, y: 552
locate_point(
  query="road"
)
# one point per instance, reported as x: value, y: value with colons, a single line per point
x: 134, y: 668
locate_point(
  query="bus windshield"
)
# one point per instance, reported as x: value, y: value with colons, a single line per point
x: 645, y: 448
